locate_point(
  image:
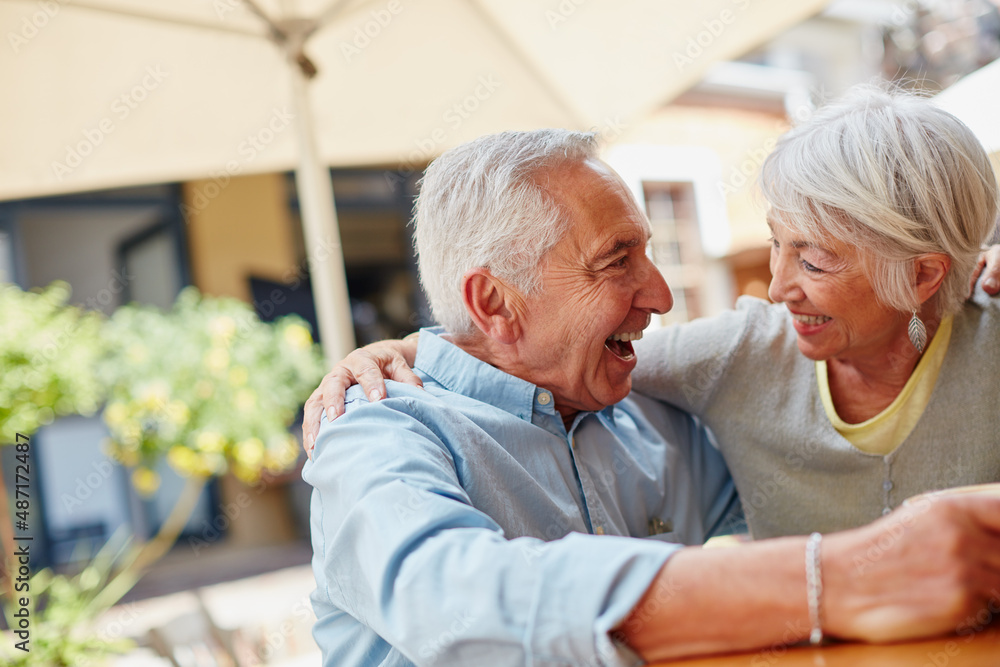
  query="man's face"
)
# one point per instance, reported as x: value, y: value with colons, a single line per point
x: 598, y: 292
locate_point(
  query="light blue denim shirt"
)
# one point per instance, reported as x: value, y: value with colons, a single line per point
x: 462, y: 524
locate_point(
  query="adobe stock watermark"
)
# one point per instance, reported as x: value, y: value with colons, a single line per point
x: 967, y: 629
x: 562, y: 12
x: 54, y: 344
x: 370, y: 30
x: 32, y: 24
x: 902, y: 14
x: 748, y: 168
x: 87, y: 484
x: 120, y: 278
x: 650, y: 608
x: 113, y: 626
x: 274, y: 643
x: 248, y: 149
x: 439, y: 645
x: 712, y: 29
x: 610, y: 130
x: 609, y: 476
x: 794, y: 632
x: 453, y: 118
x: 223, y: 7
x: 121, y: 108
x: 212, y: 529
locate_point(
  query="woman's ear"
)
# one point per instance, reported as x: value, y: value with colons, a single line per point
x: 490, y: 303
x: 931, y: 269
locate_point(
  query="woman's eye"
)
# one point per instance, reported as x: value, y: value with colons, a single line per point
x: 774, y: 243
x: 811, y: 268
x: 619, y: 263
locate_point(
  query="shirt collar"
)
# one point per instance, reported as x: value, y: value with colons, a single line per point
x: 458, y: 371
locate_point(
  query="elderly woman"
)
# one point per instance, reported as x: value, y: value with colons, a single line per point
x: 871, y: 378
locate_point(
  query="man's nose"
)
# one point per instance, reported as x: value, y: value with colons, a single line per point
x: 654, y: 295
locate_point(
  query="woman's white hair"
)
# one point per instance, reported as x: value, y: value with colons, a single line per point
x: 482, y: 205
x: 891, y: 174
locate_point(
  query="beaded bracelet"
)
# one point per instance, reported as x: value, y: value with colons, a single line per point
x: 814, y: 588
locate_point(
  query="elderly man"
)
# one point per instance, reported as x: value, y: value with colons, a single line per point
x: 488, y: 519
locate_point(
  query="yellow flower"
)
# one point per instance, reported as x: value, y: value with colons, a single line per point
x: 212, y: 464
x: 154, y: 396
x: 238, y: 376
x: 204, y: 389
x: 283, y: 454
x: 136, y: 353
x: 222, y: 328
x: 246, y: 475
x: 128, y: 456
x: 182, y: 459
x: 297, y: 336
x: 217, y: 359
x: 249, y: 453
x: 210, y: 442
x: 246, y: 400
x: 115, y: 414
x: 130, y: 433
x: 145, y: 481
x: 177, y: 412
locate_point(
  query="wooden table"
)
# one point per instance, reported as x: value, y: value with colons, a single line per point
x: 977, y: 650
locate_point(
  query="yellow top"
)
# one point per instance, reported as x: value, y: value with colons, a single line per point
x: 888, y: 429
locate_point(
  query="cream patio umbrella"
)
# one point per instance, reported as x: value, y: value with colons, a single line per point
x: 108, y: 93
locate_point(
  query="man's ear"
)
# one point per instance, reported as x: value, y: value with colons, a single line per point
x: 489, y: 302
x: 931, y: 270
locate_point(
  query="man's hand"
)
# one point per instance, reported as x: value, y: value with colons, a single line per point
x: 368, y: 366
x: 988, y: 268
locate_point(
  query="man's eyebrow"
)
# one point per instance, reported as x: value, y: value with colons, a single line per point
x: 622, y: 244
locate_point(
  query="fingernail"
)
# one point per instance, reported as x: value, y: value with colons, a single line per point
x: 374, y: 395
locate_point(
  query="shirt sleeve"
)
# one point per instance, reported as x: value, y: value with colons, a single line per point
x: 403, y: 551
x: 684, y: 364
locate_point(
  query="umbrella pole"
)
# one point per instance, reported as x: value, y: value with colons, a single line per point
x: 322, y: 234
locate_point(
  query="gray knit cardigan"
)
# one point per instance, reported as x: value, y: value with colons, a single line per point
x: 742, y: 374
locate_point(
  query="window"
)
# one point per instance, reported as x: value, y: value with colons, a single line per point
x: 676, y: 245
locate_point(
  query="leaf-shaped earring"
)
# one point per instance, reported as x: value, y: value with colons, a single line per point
x: 918, y: 333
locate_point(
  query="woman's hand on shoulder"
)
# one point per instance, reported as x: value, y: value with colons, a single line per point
x: 368, y: 366
x: 988, y: 270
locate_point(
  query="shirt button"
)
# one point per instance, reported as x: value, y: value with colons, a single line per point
x: 544, y: 398
x: 886, y: 510
x: 887, y: 485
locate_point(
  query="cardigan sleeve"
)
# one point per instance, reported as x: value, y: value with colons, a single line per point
x: 685, y: 364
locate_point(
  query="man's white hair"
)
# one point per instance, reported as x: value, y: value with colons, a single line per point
x: 482, y: 204
x: 891, y: 174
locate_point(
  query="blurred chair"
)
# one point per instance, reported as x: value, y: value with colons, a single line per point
x: 194, y: 640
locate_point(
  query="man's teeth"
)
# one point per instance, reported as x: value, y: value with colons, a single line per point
x: 627, y: 337
x: 811, y: 319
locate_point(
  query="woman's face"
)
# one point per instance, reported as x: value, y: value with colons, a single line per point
x: 832, y: 303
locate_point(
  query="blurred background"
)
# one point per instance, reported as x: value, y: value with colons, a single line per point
x: 267, y: 155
